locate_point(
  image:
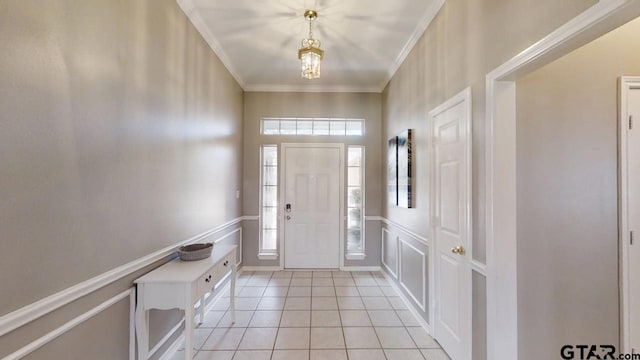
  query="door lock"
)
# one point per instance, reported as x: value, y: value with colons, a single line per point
x: 287, y: 208
x: 458, y: 250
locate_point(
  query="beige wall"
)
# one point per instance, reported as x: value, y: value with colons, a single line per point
x: 458, y: 49
x: 117, y: 119
x: 567, y: 196
x: 347, y: 105
x: 466, y: 40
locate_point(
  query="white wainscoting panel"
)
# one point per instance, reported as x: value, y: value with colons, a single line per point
x: 239, y: 243
x: 390, y: 253
x: 413, y: 272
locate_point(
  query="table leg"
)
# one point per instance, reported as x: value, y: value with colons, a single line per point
x: 142, y: 326
x: 188, y: 329
x: 232, y: 292
x: 201, y: 310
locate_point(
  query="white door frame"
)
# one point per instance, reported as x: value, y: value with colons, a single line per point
x: 626, y: 83
x: 500, y: 157
x: 463, y: 96
x: 283, y: 173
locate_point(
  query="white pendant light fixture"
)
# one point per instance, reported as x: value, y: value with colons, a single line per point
x: 310, y: 54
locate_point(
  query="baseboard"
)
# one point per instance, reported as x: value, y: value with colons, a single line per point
x: 260, y: 268
x: 408, y: 303
x: 166, y: 338
x: 277, y: 268
x: 175, y: 345
x: 360, y: 268
x: 173, y: 348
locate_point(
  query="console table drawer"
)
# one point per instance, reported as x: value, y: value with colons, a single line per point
x: 205, y: 283
x: 225, y: 265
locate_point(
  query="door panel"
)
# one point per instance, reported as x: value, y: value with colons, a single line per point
x: 451, y: 144
x: 450, y: 197
x: 312, y: 187
x: 450, y: 300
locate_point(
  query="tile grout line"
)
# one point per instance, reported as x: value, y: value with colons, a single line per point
x: 344, y: 338
x: 384, y: 353
x: 252, y: 315
x: 273, y: 350
x: 385, y: 295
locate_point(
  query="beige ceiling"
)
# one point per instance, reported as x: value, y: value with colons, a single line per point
x: 364, y: 40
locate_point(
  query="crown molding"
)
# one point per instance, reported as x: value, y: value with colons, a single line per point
x: 312, y: 88
x: 422, y: 26
x: 198, y: 22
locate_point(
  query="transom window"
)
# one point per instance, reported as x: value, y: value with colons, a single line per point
x: 312, y: 126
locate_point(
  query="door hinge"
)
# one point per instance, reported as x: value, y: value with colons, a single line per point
x: 630, y: 122
x: 631, y: 237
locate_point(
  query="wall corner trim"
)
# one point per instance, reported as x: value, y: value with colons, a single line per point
x: 29, y: 313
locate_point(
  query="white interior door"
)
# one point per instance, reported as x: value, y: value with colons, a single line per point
x: 631, y: 245
x: 311, y: 214
x: 451, y: 225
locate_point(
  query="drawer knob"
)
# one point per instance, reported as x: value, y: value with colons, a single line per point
x: 225, y: 263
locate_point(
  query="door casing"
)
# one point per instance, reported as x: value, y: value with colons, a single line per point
x: 626, y: 84
x: 281, y: 200
x: 500, y: 162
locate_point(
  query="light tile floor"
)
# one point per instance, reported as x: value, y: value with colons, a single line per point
x: 313, y: 315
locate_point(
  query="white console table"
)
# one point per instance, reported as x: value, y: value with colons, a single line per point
x: 180, y: 284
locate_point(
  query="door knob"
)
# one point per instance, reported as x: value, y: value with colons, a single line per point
x: 288, y: 217
x: 458, y: 250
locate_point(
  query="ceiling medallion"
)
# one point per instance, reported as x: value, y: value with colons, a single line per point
x: 310, y: 54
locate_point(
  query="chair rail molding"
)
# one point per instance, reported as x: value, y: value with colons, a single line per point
x: 52, y: 335
x: 405, y: 230
x: 29, y: 313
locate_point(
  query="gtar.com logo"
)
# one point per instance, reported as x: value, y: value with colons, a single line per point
x: 593, y: 352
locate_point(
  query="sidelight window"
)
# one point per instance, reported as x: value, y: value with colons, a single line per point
x: 269, y: 202
x: 355, y: 202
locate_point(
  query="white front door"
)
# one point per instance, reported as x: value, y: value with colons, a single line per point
x: 633, y: 216
x: 312, y: 197
x: 451, y: 225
